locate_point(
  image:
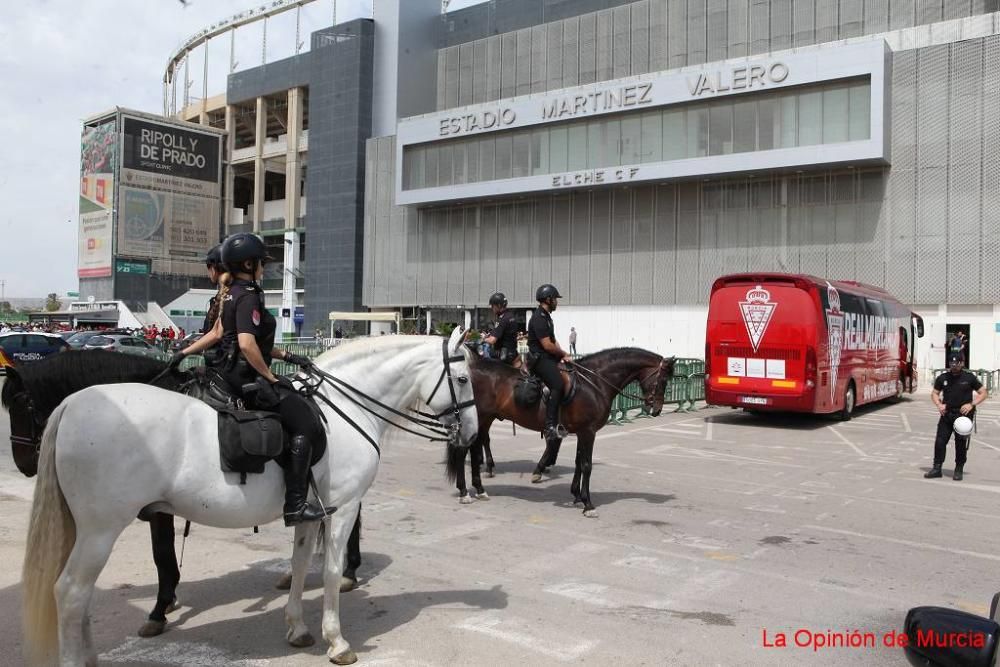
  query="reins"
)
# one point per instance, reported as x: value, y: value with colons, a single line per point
x: 618, y: 390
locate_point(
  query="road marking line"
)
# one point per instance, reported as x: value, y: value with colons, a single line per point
x: 849, y: 443
x: 979, y: 441
x: 907, y: 543
x: 176, y: 653
x: 449, y: 533
x: 519, y: 632
x: 964, y: 485
x: 906, y: 422
x: 708, y: 428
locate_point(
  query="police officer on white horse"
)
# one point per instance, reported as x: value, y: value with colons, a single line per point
x: 956, y: 394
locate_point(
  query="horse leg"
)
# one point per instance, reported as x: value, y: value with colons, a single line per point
x: 536, y: 476
x: 73, y: 591
x: 477, y: 464
x: 463, y: 491
x: 574, y: 487
x: 338, y: 526
x: 553, y: 453
x: 490, y: 465
x: 298, y: 634
x: 161, y: 532
x: 585, y: 452
x: 349, y: 580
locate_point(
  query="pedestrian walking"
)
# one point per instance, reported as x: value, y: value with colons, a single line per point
x: 572, y: 340
x: 956, y: 394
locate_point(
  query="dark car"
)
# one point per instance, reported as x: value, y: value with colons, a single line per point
x: 122, y: 343
x: 80, y: 338
x: 191, y: 338
x: 19, y: 348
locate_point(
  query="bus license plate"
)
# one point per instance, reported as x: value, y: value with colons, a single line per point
x: 754, y: 400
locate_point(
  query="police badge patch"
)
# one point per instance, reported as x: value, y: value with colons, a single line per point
x: 256, y: 317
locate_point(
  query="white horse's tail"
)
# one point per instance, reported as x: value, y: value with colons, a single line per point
x: 51, y: 536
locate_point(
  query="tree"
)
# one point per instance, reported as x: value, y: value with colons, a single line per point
x: 5, y: 307
x: 52, y: 302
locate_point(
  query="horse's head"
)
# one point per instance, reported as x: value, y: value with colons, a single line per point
x: 447, y: 391
x: 26, y: 423
x: 654, y: 384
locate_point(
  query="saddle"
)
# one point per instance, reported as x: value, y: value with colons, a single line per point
x: 530, y: 389
x: 248, y: 439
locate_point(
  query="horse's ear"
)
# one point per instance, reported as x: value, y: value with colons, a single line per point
x: 455, y: 341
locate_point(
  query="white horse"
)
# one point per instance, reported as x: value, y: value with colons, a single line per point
x: 111, y: 450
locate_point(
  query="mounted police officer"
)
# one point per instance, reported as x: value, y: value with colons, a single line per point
x: 213, y: 264
x: 503, y: 338
x: 247, y: 332
x: 547, y: 355
x: 956, y: 393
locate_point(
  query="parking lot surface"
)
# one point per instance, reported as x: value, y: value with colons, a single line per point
x: 717, y: 532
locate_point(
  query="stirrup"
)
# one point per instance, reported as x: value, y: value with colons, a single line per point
x: 557, y: 432
x: 306, y: 514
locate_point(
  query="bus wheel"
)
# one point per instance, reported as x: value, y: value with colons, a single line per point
x: 900, y: 388
x: 845, y: 414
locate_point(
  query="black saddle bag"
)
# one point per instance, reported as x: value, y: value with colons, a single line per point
x: 527, y: 391
x: 248, y: 439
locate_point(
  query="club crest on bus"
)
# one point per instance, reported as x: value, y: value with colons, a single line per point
x: 757, y: 311
x: 835, y: 334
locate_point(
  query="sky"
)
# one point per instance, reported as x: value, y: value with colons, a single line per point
x: 66, y: 60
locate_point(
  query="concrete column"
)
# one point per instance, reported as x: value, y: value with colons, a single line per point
x: 428, y: 330
x: 468, y: 319
x: 258, y: 164
x: 288, y: 282
x: 230, y: 179
x: 293, y: 172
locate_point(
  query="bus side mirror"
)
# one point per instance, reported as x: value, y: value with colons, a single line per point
x: 937, y: 636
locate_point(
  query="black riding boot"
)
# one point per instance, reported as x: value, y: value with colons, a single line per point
x: 297, y: 510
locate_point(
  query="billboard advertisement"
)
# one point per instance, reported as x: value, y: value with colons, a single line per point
x: 98, y: 151
x: 169, y: 195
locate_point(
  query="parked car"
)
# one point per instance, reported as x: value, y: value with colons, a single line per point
x: 191, y: 338
x: 18, y: 348
x: 80, y: 338
x: 122, y: 343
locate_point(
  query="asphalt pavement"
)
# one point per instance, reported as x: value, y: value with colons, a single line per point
x: 718, y: 532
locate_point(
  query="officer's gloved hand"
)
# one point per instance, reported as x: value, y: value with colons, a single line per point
x: 175, y: 361
x: 283, y: 383
x: 298, y: 360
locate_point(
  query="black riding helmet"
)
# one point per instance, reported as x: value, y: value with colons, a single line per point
x: 214, y: 257
x: 498, y: 299
x: 546, y: 292
x: 239, y: 248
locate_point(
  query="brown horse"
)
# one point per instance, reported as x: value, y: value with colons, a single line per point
x: 600, y: 377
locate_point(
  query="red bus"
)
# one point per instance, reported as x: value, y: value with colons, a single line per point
x: 798, y: 343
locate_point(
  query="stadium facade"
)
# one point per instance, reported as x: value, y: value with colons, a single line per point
x: 630, y: 153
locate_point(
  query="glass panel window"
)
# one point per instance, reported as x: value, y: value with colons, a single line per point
x: 768, y: 124
x: 810, y: 118
x: 835, y: 116
x: 577, y: 147
x: 788, y: 104
x: 431, y: 166
x: 472, y: 152
x: 540, y: 152
x: 503, y: 161
x: 595, y: 144
x: 860, y: 111
x: 697, y: 132
x: 744, y: 127
x: 631, y: 142
x: 652, y: 137
x: 611, y: 153
x: 720, y: 132
x: 487, y: 159
x: 558, y: 137
x: 675, y: 136
x: 459, y: 158
x: 522, y: 154
x: 445, y: 170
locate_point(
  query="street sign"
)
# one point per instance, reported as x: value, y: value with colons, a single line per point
x: 126, y: 266
x: 73, y: 294
x: 300, y: 315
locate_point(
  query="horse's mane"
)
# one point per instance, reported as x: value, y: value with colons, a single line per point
x: 613, y: 354
x: 55, y: 377
x: 363, y: 347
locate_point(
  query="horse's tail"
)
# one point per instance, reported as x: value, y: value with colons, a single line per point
x: 51, y: 535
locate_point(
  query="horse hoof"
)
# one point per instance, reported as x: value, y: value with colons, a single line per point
x: 348, y: 657
x: 577, y: 501
x: 490, y: 474
x: 590, y: 514
x: 347, y: 584
x: 174, y: 606
x: 152, y: 628
x: 483, y: 496
x: 536, y: 478
x: 302, y: 641
x: 466, y: 500
x: 284, y: 583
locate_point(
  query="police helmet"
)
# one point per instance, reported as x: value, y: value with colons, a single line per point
x: 498, y: 299
x: 963, y: 426
x: 547, y: 292
x: 214, y: 256
x: 239, y: 248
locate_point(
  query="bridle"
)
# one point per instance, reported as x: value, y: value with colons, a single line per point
x: 35, y: 439
x: 661, y: 381
x: 659, y: 372
x: 456, y: 407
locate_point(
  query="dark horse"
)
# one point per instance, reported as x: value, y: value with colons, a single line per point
x: 600, y: 377
x: 33, y: 391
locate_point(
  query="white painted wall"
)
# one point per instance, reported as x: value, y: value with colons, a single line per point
x: 666, y: 330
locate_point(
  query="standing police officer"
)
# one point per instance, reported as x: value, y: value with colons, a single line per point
x: 543, y: 346
x: 956, y: 393
x: 503, y: 338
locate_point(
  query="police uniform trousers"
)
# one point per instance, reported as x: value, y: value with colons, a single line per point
x: 547, y: 369
x: 945, y: 429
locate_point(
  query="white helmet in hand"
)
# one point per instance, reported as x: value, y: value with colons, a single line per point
x: 963, y: 426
